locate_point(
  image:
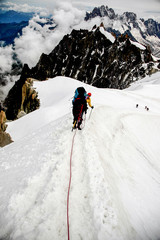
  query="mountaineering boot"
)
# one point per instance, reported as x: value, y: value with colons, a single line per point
x: 79, y: 128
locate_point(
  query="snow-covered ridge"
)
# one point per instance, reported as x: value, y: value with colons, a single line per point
x: 107, y: 34
x: 138, y: 45
x: 115, y: 166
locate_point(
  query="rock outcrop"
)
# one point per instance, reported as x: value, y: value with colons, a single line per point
x: 5, y: 138
x: 22, y: 97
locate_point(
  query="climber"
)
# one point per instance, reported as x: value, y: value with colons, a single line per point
x: 88, y: 99
x: 79, y: 107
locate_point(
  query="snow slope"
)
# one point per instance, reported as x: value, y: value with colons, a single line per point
x: 115, y: 188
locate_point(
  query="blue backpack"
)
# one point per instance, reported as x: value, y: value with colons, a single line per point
x: 79, y: 93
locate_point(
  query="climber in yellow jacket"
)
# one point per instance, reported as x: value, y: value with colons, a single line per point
x: 88, y: 100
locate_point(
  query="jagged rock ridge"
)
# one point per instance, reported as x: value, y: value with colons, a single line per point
x: 92, y: 58
x: 146, y: 32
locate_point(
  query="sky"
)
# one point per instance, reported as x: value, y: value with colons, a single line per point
x: 143, y: 8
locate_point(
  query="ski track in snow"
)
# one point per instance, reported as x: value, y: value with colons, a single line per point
x: 115, y: 186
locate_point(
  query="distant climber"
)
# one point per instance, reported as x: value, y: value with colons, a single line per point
x: 136, y: 105
x: 79, y: 106
x: 146, y: 108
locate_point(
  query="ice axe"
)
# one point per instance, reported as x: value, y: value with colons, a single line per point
x: 90, y: 113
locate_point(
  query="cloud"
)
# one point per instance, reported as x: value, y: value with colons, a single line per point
x: 67, y: 16
x: 9, y: 80
x: 37, y: 39
x: 23, y: 8
x: 6, y: 59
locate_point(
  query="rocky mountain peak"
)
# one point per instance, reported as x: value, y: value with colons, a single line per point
x: 129, y: 17
x: 95, y: 58
x: 102, y: 11
x: 22, y: 98
x: 146, y: 32
x: 153, y: 28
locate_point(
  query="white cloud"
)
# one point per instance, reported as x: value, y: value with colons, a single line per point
x: 66, y: 16
x: 6, y: 59
x: 37, y: 39
x: 10, y: 80
x: 24, y: 8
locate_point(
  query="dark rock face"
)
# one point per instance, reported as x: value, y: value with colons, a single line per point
x: 21, y: 98
x: 75, y: 56
x: 153, y: 28
x: 14, y: 98
x: 92, y: 58
x: 101, y: 12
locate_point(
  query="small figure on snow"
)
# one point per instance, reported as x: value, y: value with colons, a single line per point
x: 146, y: 108
x: 136, y: 105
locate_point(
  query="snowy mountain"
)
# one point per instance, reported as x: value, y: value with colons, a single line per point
x: 146, y: 32
x: 115, y: 166
x: 95, y: 57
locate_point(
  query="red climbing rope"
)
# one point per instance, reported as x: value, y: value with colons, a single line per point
x: 70, y: 183
x: 79, y: 118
